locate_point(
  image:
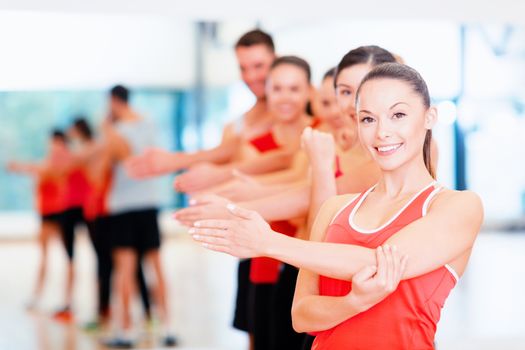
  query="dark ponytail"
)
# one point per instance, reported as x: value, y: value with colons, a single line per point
x: 371, y: 54
x: 427, y: 151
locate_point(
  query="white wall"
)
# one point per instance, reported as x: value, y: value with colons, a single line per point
x: 323, y: 43
x: 432, y: 47
x: 63, y: 51
x: 468, y: 10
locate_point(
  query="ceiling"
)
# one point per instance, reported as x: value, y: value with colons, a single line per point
x: 463, y: 10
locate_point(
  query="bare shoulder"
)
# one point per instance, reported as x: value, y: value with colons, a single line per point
x: 328, y: 211
x: 453, y: 202
x: 333, y: 204
x: 468, y: 198
x: 233, y: 129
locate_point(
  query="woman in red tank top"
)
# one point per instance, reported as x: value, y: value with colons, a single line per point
x: 434, y: 227
x: 352, y: 171
x: 282, y: 137
x: 50, y: 198
x: 351, y: 166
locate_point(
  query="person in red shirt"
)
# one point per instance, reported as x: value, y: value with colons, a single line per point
x: 50, y: 200
x: 255, y: 52
x: 328, y: 118
x: 288, y: 91
x: 76, y: 191
x: 406, y: 212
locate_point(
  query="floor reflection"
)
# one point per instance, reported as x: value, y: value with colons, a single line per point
x: 485, y: 311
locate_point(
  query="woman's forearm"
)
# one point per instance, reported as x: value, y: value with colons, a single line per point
x: 430, y: 242
x: 298, y: 171
x: 221, y: 154
x: 340, y: 261
x: 279, y: 177
x: 262, y: 193
x: 315, y: 313
x: 267, y: 162
x: 292, y: 204
x: 323, y: 187
x: 26, y: 168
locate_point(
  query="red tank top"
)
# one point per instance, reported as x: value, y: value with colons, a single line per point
x: 77, y: 188
x: 95, y: 204
x: 266, y: 270
x: 407, y: 318
x: 265, y: 142
x: 50, y: 196
x: 316, y: 122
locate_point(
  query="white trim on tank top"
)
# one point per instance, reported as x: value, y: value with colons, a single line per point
x: 424, y: 212
x: 452, y: 272
x: 343, y: 208
x: 375, y: 230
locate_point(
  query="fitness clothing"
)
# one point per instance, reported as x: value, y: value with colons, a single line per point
x: 407, y: 318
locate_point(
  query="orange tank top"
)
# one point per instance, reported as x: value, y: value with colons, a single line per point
x: 407, y: 318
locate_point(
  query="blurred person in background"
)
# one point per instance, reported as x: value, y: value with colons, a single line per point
x: 133, y: 208
x: 87, y: 151
x: 255, y: 52
x: 50, y: 198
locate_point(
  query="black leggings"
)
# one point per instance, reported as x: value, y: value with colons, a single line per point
x: 308, y: 342
x: 260, y: 314
x: 283, y: 334
x: 71, y: 218
x: 242, y: 304
x: 99, y: 234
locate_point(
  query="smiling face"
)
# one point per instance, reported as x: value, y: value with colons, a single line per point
x: 326, y: 106
x: 255, y: 62
x: 348, y: 81
x: 288, y: 92
x: 392, y: 122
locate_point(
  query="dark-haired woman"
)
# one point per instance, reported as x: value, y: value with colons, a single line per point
x: 406, y: 212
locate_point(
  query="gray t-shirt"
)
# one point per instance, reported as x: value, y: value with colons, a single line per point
x: 126, y: 193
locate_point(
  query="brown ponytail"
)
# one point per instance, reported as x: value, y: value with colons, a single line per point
x: 427, y: 151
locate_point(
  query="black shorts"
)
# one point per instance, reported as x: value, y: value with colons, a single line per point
x: 55, y: 218
x: 137, y: 229
x: 240, y: 319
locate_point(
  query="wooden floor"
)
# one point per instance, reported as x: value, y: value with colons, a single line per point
x: 485, y: 311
